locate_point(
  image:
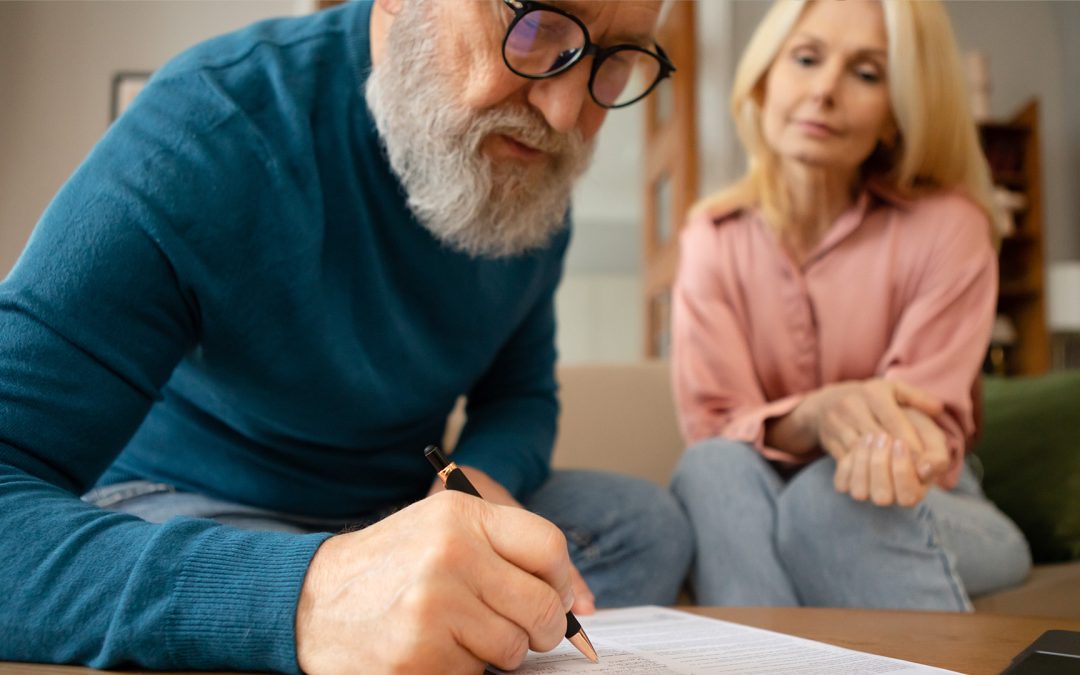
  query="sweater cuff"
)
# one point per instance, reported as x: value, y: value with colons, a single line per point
x: 234, y: 601
x: 508, y: 459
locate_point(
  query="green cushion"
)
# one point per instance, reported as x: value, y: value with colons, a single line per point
x: 1030, y: 450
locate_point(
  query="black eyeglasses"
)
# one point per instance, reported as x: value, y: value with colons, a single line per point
x: 544, y: 41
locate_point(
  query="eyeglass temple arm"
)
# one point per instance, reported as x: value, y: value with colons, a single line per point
x: 662, y: 54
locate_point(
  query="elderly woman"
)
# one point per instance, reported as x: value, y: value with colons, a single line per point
x: 831, y: 313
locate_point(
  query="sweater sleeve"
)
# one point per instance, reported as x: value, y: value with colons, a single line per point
x: 100, y: 308
x: 717, y: 392
x: 513, y: 410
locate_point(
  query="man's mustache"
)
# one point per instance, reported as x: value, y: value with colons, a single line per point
x: 529, y: 127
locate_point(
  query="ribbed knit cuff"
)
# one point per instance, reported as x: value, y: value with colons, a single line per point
x: 507, y: 459
x: 234, y: 603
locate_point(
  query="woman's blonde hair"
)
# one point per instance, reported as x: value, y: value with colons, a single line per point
x: 937, y: 146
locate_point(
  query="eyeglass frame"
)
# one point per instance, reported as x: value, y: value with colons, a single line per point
x: 522, y: 8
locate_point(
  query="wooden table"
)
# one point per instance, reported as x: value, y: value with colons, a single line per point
x: 968, y: 643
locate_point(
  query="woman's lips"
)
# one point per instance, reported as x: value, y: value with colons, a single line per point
x: 819, y: 129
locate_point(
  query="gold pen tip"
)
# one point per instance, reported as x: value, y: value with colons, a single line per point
x: 581, y: 641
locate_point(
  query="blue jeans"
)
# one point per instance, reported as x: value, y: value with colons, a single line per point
x: 764, y: 541
x: 627, y: 536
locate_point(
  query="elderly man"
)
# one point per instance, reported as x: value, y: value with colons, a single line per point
x: 256, y: 302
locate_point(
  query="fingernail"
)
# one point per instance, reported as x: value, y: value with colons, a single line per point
x: 568, y: 600
x: 882, y: 441
x: 898, y: 449
x: 924, y: 469
x: 868, y: 440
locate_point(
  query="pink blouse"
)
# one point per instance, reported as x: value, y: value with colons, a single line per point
x: 895, y: 289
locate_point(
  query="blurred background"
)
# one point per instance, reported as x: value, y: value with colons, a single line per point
x: 65, y: 65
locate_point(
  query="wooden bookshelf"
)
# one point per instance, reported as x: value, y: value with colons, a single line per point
x: 1012, y: 150
x: 670, y: 174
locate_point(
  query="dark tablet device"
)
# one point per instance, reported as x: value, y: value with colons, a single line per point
x: 1055, y: 652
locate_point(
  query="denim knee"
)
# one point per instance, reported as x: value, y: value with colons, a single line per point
x: 842, y: 552
x: 660, y: 538
x: 716, y: 469
x: 816, y: 524
x: 628, y: 536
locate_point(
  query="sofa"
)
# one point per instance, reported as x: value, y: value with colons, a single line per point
x: 621, y: 417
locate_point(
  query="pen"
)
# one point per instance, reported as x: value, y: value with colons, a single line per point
x: 455, y: 479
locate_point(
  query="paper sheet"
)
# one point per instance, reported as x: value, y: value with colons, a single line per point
x: 661, y: 641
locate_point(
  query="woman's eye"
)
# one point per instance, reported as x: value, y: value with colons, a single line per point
x: 868, y: 75
x: 805, y: 59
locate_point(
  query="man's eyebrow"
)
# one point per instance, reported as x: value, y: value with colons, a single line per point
x: 587, y: 10
x: 582, y: 10
x: 637, y: 39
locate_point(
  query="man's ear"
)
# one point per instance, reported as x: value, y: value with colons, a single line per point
x: 390, y: 6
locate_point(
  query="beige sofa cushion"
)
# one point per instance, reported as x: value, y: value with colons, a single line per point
x: 615, y: 417
x: 618, y: 417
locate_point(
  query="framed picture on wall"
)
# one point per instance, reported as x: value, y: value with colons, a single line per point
x: 125, y: 86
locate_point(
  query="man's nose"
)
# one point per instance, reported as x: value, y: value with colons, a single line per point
x: 564, y: 99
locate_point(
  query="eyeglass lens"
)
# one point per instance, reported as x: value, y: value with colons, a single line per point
x: 545, y: 43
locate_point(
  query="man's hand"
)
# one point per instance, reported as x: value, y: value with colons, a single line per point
x: 493, y: 491
x: 446, y: 585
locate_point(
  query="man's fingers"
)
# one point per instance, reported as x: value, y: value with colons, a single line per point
x: 486, y: 635
x: 523, y: 599
x: 584, y: 600
x: 423, y: 578
x: 531, y: 543
x: 913, y: 397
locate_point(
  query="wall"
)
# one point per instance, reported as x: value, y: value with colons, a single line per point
x: 601, y: 317
x: 599, y: 304
x: 57, y: 60
x: 1067, y: 16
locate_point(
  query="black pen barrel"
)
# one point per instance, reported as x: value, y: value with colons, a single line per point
x: 456, y: 480
x: 572, y: 625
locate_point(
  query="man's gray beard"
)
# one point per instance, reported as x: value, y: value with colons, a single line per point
x: 470, y: 203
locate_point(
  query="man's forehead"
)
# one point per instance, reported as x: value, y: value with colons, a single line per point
x: 622, y: 21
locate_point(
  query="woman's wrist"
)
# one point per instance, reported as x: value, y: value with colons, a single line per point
x: 797, y: 431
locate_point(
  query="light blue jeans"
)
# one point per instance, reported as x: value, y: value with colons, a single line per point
x: 764, y: 541
x: 628, y: 537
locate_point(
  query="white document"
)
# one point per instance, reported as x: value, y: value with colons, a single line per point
x: 661, y: 641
